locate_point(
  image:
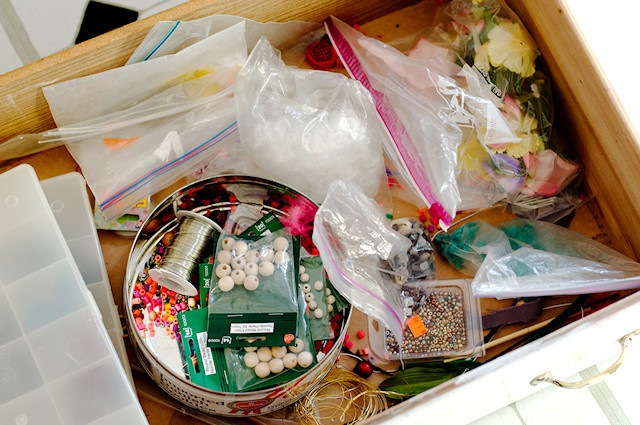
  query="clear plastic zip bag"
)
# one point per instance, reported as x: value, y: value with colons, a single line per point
x: 355, y: 240
x: 155, y: 120
x: 433, y: 123
x: 526, y: 258
x: 307, y: 127
x: 169, y: 37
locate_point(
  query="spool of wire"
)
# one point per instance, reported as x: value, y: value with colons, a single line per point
x: 190, y: 244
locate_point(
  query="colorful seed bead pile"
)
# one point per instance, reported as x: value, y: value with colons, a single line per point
x: 160, y: 305
x: 443, y: 317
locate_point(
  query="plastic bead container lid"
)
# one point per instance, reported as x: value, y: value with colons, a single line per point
x: 69, y: 202
x: 57, y: 364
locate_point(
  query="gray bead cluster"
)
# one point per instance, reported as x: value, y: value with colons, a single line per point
x: 443, y: 316
x: 421, y: 254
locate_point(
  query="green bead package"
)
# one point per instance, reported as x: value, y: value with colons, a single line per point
x: 340, y: 303
x: 263, y: 313
x: 240, y: 376
x: 316, y: 299
x: 202, y: 365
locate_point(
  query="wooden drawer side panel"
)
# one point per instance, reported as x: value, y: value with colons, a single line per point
x: 597, y: 125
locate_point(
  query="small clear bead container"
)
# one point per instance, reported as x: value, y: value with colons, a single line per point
x: 443, y: 322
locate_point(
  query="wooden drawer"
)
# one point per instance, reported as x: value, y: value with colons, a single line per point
x: 588, y: 113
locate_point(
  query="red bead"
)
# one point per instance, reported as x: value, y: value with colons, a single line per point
x: 360, y: 334
x: 327, y: 346
x: 423, y: 218
x: 364, y: 369
x: 171, y: 294
x: 348, y: 344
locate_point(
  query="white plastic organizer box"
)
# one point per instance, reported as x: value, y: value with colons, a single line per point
x: 57, y: 365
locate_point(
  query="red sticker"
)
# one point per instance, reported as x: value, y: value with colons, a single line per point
x: 288, y: 338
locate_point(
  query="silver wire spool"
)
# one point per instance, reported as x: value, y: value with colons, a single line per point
x: 190, y: 244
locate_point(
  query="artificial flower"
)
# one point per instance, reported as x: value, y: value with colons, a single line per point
x: 473, y: 155
x: 481, y: 60
x: 547, y: 173
x: 529, y: 143
x: 512, y: 47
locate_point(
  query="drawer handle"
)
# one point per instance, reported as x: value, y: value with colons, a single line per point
x: 548, y: 376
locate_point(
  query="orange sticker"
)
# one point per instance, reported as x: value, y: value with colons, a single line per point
x: 416, y: 326
x: 288, y: 338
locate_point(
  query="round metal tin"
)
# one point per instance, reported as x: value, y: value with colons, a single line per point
x: 216, y: 198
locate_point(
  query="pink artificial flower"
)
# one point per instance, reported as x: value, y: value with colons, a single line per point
x: 547, y: 173
x: 513, y: 106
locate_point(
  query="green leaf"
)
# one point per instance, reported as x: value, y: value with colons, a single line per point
x: 416, y: 379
